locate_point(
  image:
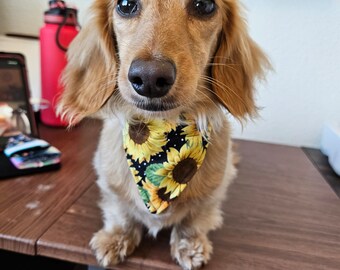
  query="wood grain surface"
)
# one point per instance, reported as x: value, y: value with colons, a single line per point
x: 30, y: 205
x: 321, y: 163
x: 280, y: 214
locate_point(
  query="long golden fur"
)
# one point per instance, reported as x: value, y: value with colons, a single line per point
x: 217, y: 63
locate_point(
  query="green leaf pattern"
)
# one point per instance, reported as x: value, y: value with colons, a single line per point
x: 152, y: 176
x: 144, y: 194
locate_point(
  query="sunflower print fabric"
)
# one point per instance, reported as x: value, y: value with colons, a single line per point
x: 163, y: 157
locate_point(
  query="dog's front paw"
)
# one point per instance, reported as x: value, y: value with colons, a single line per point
x: 112, y: 247
x: 190, y: 252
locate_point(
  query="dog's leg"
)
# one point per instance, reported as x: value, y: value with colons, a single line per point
x: 119, y: 236
x: 190, y: 245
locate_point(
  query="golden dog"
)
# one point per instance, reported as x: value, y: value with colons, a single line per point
x: 157, y: 60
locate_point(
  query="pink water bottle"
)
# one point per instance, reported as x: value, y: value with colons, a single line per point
x: 61, y: 26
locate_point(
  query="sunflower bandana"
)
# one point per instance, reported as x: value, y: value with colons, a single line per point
x: 163, y: 157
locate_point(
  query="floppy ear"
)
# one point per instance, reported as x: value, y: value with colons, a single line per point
x: 90, y: 75
x: 237, y: 63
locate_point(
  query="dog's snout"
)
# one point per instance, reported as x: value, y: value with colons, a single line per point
x: 153, y: 78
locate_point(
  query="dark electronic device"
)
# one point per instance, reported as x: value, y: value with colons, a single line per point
x: 17, y: 123
x: 15, y: 94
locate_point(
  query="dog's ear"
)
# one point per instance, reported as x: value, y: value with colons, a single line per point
x: 90, y: 75
x: 237, y: 63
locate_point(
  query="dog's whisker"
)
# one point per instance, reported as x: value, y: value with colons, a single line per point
x: 206, y: 95
x: 221, y: 64
x: 223, y: 87
x: 231, y: 66
x: 214, y: 103
x: 220, y: 57
x: 214, y: 81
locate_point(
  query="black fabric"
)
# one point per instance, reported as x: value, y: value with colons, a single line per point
x: 8, y: 170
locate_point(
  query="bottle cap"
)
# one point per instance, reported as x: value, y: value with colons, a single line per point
x: 58, y: 11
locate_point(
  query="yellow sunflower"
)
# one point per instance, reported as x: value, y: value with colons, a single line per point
x: 145, y: 139
x: 156, y: 203
x: 193, y: 136
x: 180, y: 168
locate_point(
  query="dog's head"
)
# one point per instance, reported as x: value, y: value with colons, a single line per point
x: 161, y: 57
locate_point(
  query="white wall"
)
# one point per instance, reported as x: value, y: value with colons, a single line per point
x: 26, y: 16
x: 302, y: 39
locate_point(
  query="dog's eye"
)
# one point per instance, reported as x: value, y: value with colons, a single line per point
x: 128, y: 8
x: 202, y: 8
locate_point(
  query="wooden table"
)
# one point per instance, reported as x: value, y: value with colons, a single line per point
x: 30, y: 205
x: 280, y: 213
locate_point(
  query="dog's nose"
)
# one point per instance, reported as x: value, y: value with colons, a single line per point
x: 153, y: 78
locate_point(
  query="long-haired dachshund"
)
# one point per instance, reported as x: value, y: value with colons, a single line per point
x: 162, y: 75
